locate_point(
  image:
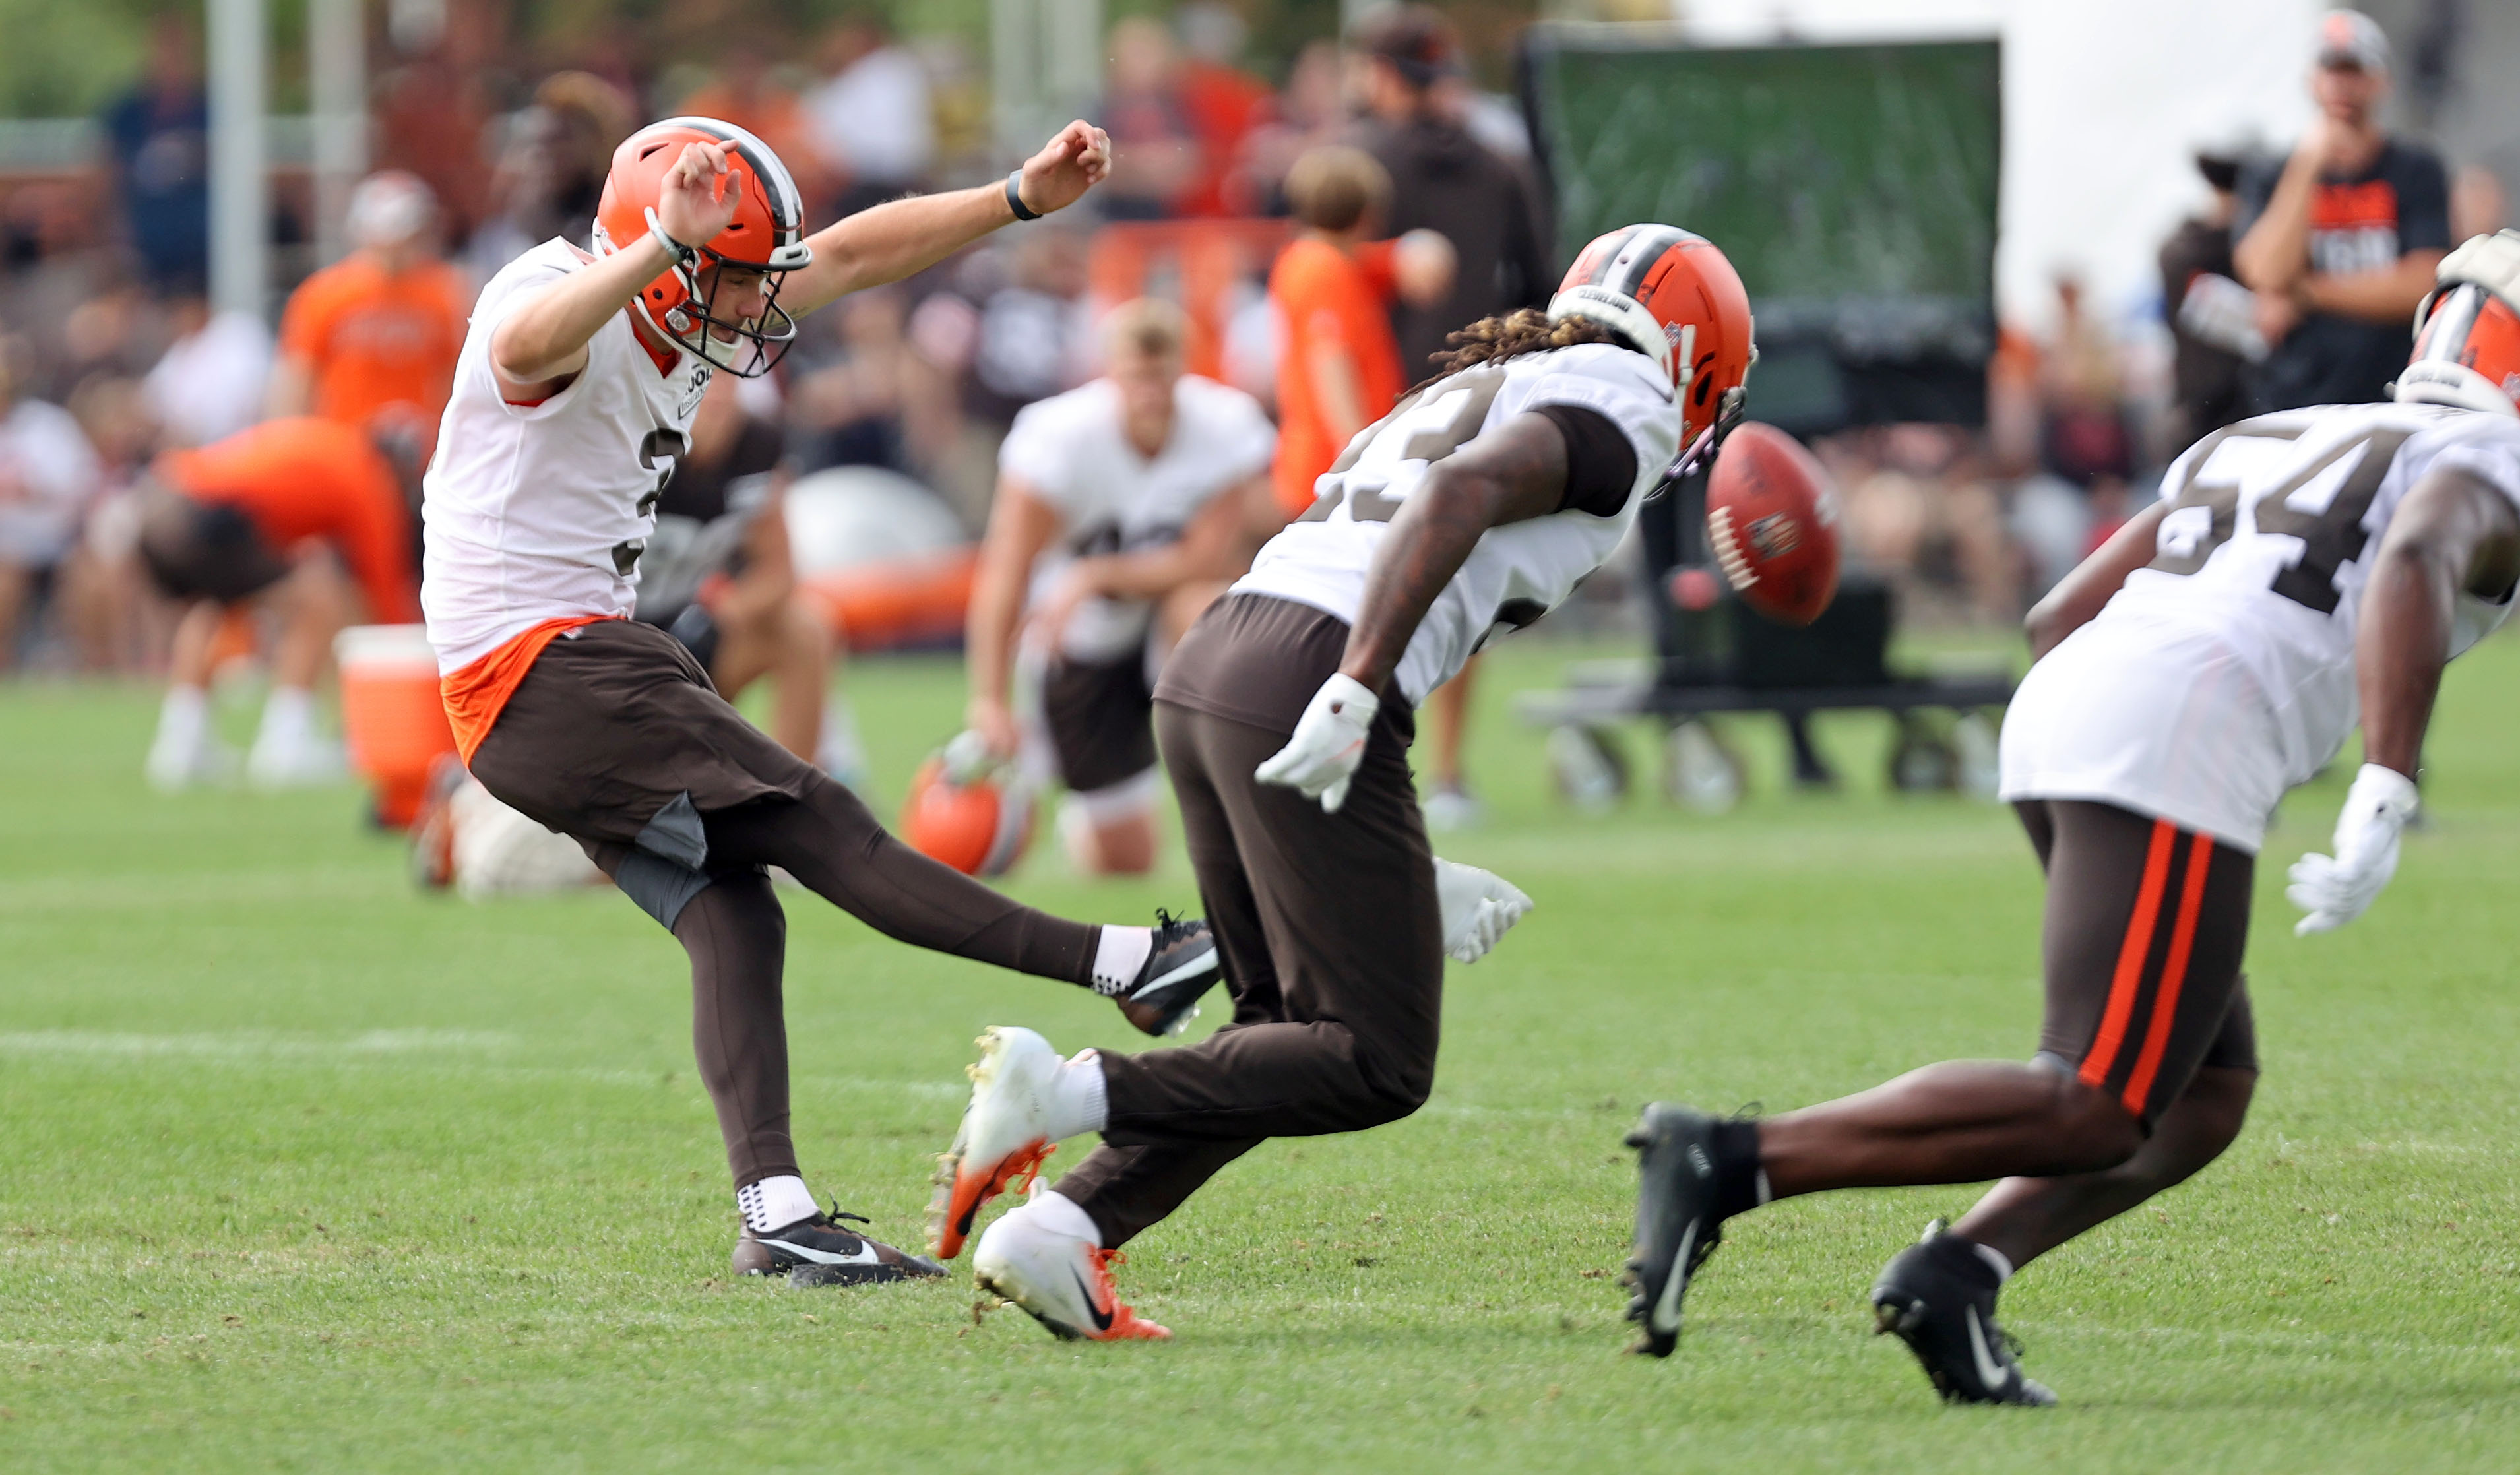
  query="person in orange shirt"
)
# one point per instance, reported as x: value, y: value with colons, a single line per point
x: 1341, y: 370
x: 271, y: 515
x: 370, y: 340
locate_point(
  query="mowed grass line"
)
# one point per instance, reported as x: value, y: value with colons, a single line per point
x: 303, y: 1172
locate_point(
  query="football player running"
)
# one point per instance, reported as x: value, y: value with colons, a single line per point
x: 574, y: 391
x: 1123, y: 508
x: 2204, y: 660
x: 1284, y: 718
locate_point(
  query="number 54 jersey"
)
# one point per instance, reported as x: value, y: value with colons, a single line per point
x: 2222, y: 674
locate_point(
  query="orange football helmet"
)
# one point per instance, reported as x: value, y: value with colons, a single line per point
x: 2467, y: 333
x: 1677, y: 300
x: 766, y: 237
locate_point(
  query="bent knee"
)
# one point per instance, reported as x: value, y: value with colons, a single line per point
x: 2092, y: 1128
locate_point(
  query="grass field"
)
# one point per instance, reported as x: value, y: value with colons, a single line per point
x: 305, y: 1172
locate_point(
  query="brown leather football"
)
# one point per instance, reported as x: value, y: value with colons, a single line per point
x: 1771, y: 519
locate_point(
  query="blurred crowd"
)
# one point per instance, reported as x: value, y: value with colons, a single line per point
x: 110, y: 354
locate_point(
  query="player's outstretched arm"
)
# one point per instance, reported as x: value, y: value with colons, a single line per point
x: 1511, y: 474
x: 2094, y: 582
x: 2454, y: 533
x: 893, y: 241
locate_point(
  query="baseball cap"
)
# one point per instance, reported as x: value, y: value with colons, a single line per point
x: 2350, y: 38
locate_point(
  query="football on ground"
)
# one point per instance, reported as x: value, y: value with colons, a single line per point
x: 303, y: 1171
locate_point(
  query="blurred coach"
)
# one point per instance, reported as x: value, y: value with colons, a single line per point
x: 2341, y: 242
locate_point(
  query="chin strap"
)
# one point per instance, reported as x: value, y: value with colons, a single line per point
x: 1701, y: 452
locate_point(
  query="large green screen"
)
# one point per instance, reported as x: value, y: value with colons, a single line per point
x: 1822, y: 170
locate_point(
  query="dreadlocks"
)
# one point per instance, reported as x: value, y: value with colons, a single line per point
x: 1525, y: 330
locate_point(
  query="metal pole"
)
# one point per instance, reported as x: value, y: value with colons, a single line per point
x: 240, y: 191
x: 336, y: 63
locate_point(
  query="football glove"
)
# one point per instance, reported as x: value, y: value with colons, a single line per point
x: 1479, y: 906
x: 1329, y: 744
x: 2335, y: 890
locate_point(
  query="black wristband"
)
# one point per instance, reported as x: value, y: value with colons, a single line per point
x: 1014, y: 198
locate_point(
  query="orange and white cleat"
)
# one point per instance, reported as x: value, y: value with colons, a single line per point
x: 1005, y: 1133
x: 1058, y: 1279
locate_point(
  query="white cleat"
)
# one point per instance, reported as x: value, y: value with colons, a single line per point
x: 1006, y: 1130
x: 1479, y: 908
x: 174, y: 767
x: 1059, y: 1281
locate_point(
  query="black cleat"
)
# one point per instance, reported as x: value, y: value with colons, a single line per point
x: 1938, y: 1296
x: 1163, y: 999
x: 1676, y: 1224
x: 817, y: 1251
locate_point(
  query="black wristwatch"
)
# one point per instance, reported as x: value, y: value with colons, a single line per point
x: 1014, y: 198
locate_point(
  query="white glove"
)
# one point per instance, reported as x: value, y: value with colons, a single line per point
x: 1479, y: 906
x: 2335, y: 890
x: 1328, y: 746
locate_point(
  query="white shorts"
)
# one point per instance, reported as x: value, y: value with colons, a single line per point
x: 2163, y: 722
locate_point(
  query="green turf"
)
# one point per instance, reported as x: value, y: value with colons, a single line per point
x: 302, y: 1171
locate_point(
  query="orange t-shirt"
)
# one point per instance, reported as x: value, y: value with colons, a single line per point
x: 1328, y: 297
x: 309, y: 477
x: 475, y: 695
x: 374, y: 342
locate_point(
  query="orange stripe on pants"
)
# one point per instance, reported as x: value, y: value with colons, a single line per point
x: 2174, y: 974
x: 2131, y: 955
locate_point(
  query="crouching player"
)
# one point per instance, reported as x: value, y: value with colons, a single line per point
x: 1479, y: 503
x: 2200, y: 663
x: 303, y: 517
x: 574, y: 392
x: 1122, y: 511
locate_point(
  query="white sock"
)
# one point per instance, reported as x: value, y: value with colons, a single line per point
x: 1122, y: 952
x: 1076, y: 1100
x: 1995, y: 1260
x: 774, y: 1203
x: 288, y: 719
x: 1061, y: 1215
x: 841, y: 754
x: 183, y: 718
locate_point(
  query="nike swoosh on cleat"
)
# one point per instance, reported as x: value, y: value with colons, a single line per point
x: 1188, y: 969
x: 1101, y: 1317
x: 1989, y: 1371
x: 865, y: 1254
x: 1666, y: 1312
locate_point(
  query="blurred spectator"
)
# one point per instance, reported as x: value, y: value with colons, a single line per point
x: 2477, y: 205
x: 210, y: 381
x: 370, y: 340
x: 47, y: 473
x: 873, y: 123
x: 2084, y: 435
x: 745, y: 93
x: 112, y: 622
x: 159, y: 136
x: 1446, y: 181
x: 1311, y: 112
x: 718, y: 575
x: 432, y: 114
x: 1154, y: 156
x: 873, y: 400
x: 2340, y: 240
x: 1027, y: 341
x: 551, y: 171
x: 270, y: 517
x: 1341, y: 370
x: 1222, y: 102
x: 2213, y: 323
x: 1925, y: 515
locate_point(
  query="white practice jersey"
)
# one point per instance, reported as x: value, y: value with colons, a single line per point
x: 2222, y: 674
x: 1517, y: 573
x: 1074, y: 451
x: 533, y: 513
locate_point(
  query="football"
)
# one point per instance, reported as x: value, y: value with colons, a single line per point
x: 967, y: 811
x: 1771, y: 519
